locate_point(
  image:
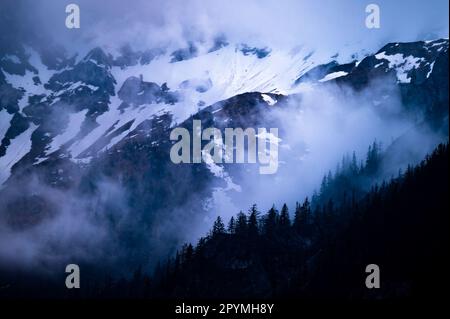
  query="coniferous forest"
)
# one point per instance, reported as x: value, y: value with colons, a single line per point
x: 321, y: 249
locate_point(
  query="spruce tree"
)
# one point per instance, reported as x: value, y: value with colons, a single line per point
x: 218, y: 227
x: 285, y: 221
x: 271, y: 221
x: 231, y: 226
x: 253, y: 221
x: 241, y: 224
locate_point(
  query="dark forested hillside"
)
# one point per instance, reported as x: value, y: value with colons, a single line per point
x: 402, y: 226
x: 316, y: 250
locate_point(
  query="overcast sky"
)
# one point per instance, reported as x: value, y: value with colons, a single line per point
x: 146, y: 23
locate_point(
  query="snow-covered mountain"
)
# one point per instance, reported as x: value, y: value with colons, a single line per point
x: 101, y: 97
x: 79, y: 106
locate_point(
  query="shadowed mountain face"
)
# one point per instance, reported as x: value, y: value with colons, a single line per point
x: 85, y: 141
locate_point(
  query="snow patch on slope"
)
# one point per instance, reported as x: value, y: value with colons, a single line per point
x: 72, y: 129
x: 268, y: 99
x: 333, y: 75
x: 18, y: 148
x: 401, y: 64
x: 431, y: 69
x: 5, y: 118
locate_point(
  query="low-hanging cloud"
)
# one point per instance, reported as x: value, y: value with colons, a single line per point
x: 321, y: 125
x: 145, y: 24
